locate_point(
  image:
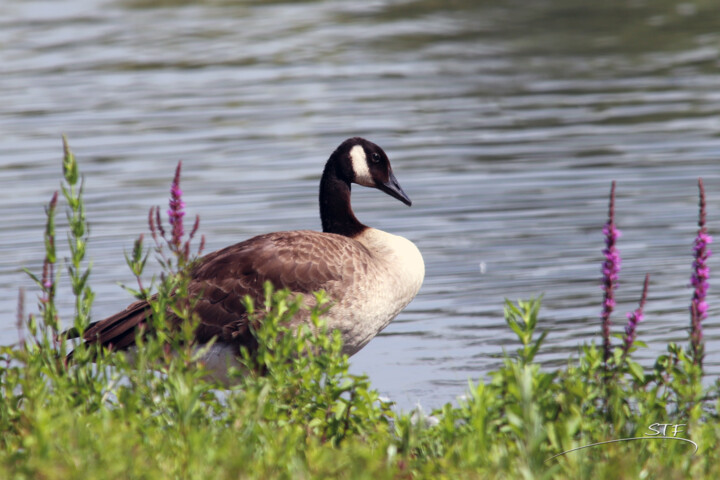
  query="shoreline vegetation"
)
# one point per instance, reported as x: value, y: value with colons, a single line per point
x: 297, y: 413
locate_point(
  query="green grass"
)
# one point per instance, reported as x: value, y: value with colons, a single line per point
x: 297, y: 413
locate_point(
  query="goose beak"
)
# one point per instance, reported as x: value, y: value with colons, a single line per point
x: 393, y: 188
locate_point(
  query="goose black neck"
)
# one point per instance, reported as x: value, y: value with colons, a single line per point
x: 335, y: 210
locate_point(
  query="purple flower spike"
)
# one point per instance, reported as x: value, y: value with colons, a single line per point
x: 699, y: 281
x: 635, y: 318
x: 610, y: 271
x: 176, y: 212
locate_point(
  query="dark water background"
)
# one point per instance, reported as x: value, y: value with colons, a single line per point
x: 505, y: 120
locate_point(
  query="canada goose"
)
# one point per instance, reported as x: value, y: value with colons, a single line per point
x: 369, y: 275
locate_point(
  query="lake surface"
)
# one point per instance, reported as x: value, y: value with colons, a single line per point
x: 505, y: 122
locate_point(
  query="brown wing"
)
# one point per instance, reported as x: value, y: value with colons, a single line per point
x: 118, y: 331
x: 302, y: 261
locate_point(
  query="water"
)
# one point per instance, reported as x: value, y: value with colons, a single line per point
x: 505, y: 122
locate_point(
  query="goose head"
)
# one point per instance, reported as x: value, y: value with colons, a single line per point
x: 358, y: 161
x: 367, y: 164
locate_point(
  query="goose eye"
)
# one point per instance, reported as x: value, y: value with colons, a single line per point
x: 375, y: 157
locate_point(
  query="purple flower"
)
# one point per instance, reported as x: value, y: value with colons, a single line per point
x: 610, y: 271
x: 174, y: 239
x: 47, y: 276
x: 634, y: 318
x: 176, y: 212
x: 699, y: 281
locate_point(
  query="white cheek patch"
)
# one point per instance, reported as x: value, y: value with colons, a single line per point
x: 360, y: 167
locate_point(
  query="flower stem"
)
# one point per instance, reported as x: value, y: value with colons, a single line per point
x: 634, y: 319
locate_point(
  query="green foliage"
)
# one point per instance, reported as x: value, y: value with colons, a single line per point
x: 295, y: 411
x: 522, y: 319
x: 307, y: 372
